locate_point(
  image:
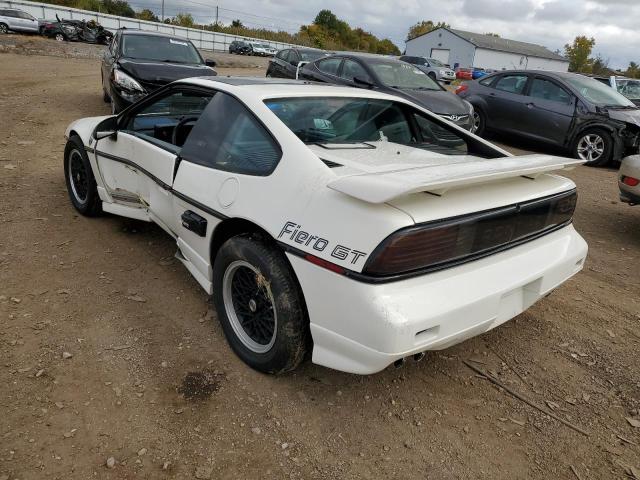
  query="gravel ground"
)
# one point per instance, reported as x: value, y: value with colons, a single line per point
x: 114, y: 366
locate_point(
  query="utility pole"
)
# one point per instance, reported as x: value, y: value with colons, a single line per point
x: 162, y: 15
x: 216, y: 24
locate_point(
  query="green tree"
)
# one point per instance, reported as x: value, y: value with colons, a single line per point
x: 423, y: 27
x: 326, y: 19
x: 237, y: 24
x: 148, y: 15
x: 118, y: 7
x: 633, y: 70
x: 600, y: 66
x: 184, y: 20
x: 578, y: 54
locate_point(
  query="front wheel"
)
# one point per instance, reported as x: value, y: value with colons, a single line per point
x: 59, y: 37
x: 4, y: 28
x: 260, y: 304
x: 479, y: 123
x: 595, y: 146
x: 81, y: 184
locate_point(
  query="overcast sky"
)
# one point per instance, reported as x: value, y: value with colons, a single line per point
x: 552, y: 23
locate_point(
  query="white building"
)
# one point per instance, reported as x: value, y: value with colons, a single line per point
x: 458, y: 48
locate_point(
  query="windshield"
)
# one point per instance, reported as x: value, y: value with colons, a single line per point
x: 336, y: 122
x: 598, y: 93
x: 159, y: 49
x: 435, y: 63
x: 629, y: 88
x: 310, y: 56
x: 402, y: 75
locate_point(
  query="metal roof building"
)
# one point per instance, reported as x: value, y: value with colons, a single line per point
x: 468, y: 49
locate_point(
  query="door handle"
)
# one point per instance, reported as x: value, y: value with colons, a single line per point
x: 492, y: 94
x: 530, y: 105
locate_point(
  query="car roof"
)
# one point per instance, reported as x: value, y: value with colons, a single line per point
x: 262, y: 87
x: 131, y: 31
x: 367, y: 56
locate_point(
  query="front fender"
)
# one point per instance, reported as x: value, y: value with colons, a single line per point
x: 84, y: 127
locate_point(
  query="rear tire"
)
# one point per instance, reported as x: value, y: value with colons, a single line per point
x: 81, y: 184
x: 59, y: 37
x: 4, y: 28
x: 260, y: 304
x: 594, y: 145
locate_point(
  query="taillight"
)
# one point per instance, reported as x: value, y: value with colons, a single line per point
x: 461, y: 88
x: 439, y: 244
x: 630, y: 181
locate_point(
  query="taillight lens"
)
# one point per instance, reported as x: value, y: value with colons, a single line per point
x: 461, y: 88
x: 439, y: 244
x: 630, y: 181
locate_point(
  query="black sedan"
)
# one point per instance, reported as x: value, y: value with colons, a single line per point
x: 139, y: 62
x: 392, y: 76
x: 577, y: 113
x: 286, y: 63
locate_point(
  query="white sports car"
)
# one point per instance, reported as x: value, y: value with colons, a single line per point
x: 346, y: 223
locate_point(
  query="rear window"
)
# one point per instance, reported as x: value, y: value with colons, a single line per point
x: 338, y: 121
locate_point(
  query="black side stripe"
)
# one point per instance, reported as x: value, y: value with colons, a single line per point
x: 162, y: 184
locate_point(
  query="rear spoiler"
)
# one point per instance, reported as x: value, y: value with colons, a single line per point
x: 382, y: 187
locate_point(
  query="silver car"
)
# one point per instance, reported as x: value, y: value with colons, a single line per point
x: 629, y: 180
x: 17, y: 21
x: 432, y: 67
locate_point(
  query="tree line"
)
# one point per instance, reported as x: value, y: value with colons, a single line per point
x: 580, y: 60
x: 326, y: 31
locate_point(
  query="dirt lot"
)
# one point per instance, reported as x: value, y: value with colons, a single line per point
x: 109, y: 349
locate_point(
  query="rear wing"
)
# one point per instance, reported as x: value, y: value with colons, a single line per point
x: 385, y: 186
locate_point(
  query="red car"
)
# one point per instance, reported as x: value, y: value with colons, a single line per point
x: 464, y: 73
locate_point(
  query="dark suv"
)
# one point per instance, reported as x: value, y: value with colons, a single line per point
x: 577, y: 113
x: 239, y: 47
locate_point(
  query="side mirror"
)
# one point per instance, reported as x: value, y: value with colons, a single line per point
x: 210, y: 63
x: 106, y: 128
x: 363, y: 82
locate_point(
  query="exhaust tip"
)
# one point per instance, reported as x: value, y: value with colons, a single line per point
x: 418, y: 357
x: 399, y: 363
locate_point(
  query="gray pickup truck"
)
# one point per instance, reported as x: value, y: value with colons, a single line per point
x: 432, y: 67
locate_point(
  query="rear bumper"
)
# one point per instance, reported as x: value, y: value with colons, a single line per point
x: 630, y: 167
x: 362, y: 328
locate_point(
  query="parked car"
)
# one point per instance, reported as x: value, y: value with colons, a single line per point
x: 139, y: 62
x: 286, y: 62
x: 571, y: 111
x: 478, y: 73
x: 464, y: 73
x: 239, y: 47
x: 434, y: 68
x: 262, y: 49
x: 15, y: 20
x: 629, y: 87
x: 77, y: 31
x: 629, y: 180
x: 303, y: 210
x: 392, y: 76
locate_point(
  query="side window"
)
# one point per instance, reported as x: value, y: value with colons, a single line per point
x: 330, y: 66
x: 487, y: 81
x: 168, y: 121
x: 228, y: 137
x: 547, y: 90
x: 437, y: 138
x: 25, y: 15
x: 282, y: 54
x: 293, y: 57
x: 352, y: 69
x: 512, y: 83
